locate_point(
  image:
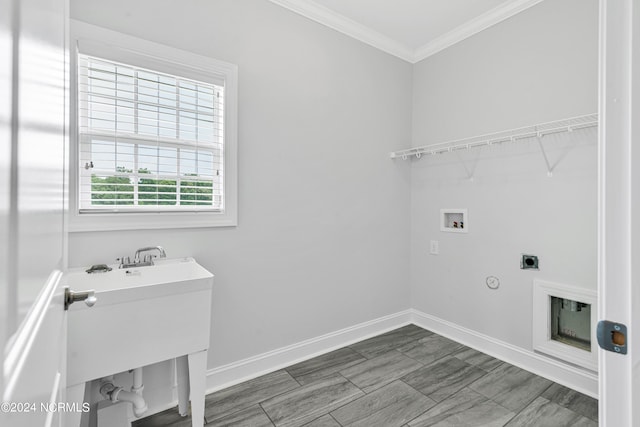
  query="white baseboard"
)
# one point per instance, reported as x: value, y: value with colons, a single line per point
x: 253, y: 367
x: 567, y: 375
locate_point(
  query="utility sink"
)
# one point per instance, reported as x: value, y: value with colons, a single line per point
x: 142, y: 315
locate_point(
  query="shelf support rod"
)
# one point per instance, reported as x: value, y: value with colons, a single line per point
x: 544, y: 154
x: 470, y: 173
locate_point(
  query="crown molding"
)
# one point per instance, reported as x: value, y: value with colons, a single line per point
x: 474, y: 26
x: 331, y: 19
x: 325, y: 16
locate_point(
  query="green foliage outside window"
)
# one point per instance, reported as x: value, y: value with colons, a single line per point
x: 119, y: 190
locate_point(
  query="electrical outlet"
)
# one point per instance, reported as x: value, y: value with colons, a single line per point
x: 434, y: 247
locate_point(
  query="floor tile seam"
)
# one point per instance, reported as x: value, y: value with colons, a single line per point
x: 317, y: 357
x: 421, y: 365
x: 362, y: 397
x: 269, y: 386
x: 485, y: 373
x: 510, y: 419
x: 322, y: 414
x: 412, y: 340
x: 491, y: 398
x: 259, y: 402
x: 498, y: 365
x: 389, y: 382
x: 502, y: 406
x: 445, y: 400
x: 545, y: 389
x: 564, y: 407
x: 527, y: 405
x: 294, y: 378
x: 364, y: 359
x: 509, y: 411
x: 415, y: 360
x: 478, y: 379
x: 539, y: 395
x: 468, y: 366
x: 393, y: 347
x: 346, y: 403
x: 420, y: 414
x: 316, y: 419
x: 413, y: 388
x: 407, y: 421
x: 305, y: 385
x: 440, y: 380
x: 586, y: 416
x: 438, y: 402
x: 328, y: 412
x: 486, y: 370
x: 334, y: 418
x: 229, y: 414
x: 265, y: 412
x: 391, y: 403
x: 430, y: 363
x: 578, y: 414
x: 518, y: 412
x: 349, y: 381
x: 351, y: 347
x: 490, y: 370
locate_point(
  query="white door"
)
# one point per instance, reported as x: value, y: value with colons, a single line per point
x: 619, y: 208
x: 5, y: 166
x: 33, y: 141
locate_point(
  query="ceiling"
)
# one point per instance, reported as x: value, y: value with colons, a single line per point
x: 409, y: 29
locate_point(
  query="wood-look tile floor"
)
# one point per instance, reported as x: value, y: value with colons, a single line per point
x: 409, y: 377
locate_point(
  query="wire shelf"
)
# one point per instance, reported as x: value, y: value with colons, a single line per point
x: 512, y: 135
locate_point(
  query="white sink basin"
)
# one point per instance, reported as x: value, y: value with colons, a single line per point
x: 143, y: 315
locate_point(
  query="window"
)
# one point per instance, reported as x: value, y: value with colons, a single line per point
x: 155, y: 142
x: 148, y: 141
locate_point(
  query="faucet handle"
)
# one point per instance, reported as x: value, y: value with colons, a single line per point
x: 124, y: 261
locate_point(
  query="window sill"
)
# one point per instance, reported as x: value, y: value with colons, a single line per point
x: 149, y: 221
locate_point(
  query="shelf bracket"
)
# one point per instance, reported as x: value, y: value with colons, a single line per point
x: 470, y: 171
x: 544, y: 154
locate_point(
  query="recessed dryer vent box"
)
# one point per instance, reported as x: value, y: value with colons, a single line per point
x: 564, y: 323
x: 454, y: 220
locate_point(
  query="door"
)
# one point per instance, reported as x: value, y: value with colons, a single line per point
x: 619, y: 207
x: 5, y: 169
x: 33, y: 140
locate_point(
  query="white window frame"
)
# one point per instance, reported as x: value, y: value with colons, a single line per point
x: 100, y: 42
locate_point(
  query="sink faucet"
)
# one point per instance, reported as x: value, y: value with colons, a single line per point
x: 125, y: 262
x: 161, y: 252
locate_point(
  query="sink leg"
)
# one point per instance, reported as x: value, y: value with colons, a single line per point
x: 76, y: 394
x: 197, y: 379
x: 182, y: 373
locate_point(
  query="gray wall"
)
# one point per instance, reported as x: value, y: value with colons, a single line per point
x: 538, y: 66
x: 322, y: 242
